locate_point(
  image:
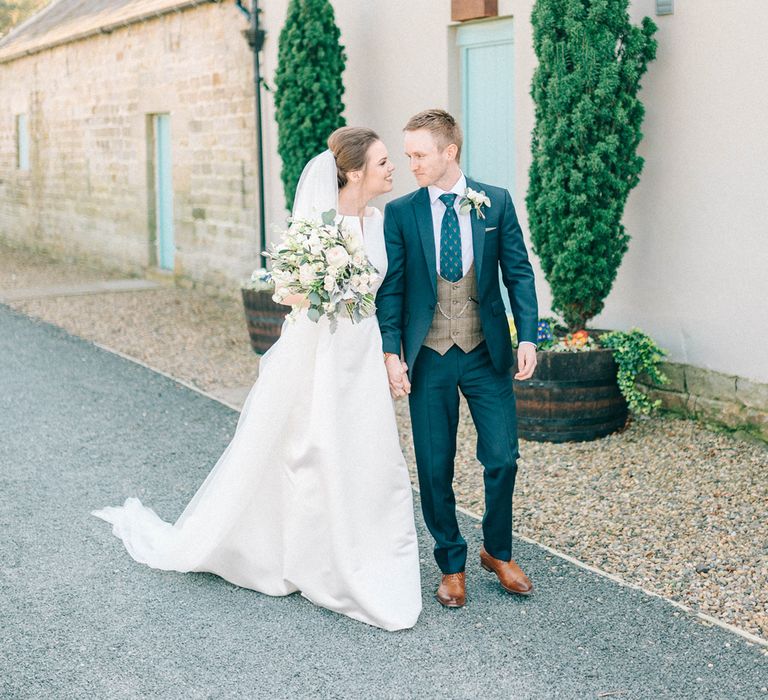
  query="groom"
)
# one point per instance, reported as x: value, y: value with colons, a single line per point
x: 440, y: 309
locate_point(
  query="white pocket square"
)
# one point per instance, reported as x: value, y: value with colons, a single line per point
x: 490, y: 228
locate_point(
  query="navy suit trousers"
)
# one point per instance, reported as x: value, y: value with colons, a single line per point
x: 434, y: 402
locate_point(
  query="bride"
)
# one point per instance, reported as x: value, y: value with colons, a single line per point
x: 312, y: 494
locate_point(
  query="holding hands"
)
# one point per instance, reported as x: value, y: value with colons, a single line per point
x: 397, y: 372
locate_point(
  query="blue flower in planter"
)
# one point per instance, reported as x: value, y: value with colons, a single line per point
x: 544, y: 332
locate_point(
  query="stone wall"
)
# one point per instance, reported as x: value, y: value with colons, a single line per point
x: 87, y: 193
x: 726, y: 400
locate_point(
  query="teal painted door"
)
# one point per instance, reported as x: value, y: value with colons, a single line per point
x: 488, y: 104
x: 487, y: 89
x: 164, y: 191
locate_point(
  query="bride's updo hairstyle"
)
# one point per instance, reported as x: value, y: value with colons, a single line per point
x: 349, y: 146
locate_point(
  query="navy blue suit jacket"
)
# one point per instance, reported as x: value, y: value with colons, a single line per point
x: 407, y: 297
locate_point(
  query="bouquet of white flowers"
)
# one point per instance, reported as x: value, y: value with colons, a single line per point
x: 327, y: 264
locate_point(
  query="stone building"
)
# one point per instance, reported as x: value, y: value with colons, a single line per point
x: 127, y: 135
x: 88, y: 88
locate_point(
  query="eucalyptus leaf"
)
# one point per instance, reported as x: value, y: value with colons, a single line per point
x: 313, y: 314
x: 329, y: 217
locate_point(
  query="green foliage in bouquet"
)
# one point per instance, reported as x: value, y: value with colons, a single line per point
x: 309, y: 87
x: 635, y: 353
x: 585, y: 139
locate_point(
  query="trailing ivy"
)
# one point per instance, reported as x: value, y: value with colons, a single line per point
x: 585, y: 161
x: 309, y: 87
x: 635, y: 354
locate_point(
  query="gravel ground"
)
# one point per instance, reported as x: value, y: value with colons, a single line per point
x: 80, y: 619
x: 667, y: 504
x: 20, y: 269
x: 195, y: 337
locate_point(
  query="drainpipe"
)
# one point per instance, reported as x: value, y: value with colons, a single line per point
x: 255, y: 37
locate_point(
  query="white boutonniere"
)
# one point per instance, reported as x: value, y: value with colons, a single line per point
x: 474, y: 200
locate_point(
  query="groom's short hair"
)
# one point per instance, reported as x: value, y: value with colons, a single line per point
x: 442, y: 125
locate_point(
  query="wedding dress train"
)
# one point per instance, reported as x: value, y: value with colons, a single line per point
x: 312, y: 494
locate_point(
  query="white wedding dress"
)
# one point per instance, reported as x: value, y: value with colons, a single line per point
x: 312, y: 494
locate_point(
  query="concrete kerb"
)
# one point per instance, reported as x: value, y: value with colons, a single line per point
x: 68, y: 290
x: 703, y: 617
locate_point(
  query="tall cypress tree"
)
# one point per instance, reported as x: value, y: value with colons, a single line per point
x: 585, y: 161
x: 309, y: 86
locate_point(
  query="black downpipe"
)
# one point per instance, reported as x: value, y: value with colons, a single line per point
x: 255, y: 37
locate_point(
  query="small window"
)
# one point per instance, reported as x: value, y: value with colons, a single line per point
x: 22, y: 142
x: 665, y: 7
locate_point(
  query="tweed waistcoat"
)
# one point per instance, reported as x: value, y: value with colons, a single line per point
x: 457, y: 315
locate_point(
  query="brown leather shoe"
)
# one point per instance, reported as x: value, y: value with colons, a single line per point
x: 452, y: 591
x: 511, y: 576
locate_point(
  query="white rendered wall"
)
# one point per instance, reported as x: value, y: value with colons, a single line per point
x: 696, y: 274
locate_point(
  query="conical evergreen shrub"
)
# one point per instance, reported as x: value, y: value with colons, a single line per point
x: 585, y: 161
x: 309, y: 87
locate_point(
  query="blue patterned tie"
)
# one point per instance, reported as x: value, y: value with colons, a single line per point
x: 450, y: 242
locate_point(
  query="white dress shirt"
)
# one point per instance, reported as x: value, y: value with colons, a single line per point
x: 465, y: 226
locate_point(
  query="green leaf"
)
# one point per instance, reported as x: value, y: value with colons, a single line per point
x: 313, y: 314
x: 635, y: 354
x: 329, y: 217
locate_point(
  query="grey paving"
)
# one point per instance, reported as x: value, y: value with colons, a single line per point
x: 82, y: 428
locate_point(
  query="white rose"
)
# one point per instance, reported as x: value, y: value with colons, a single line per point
x: 330, y: 283
x: 337, y: 256
x: 306, y: 274
x: 358, y: 259
x: 315, y: 244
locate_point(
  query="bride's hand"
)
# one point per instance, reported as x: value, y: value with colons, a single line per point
x: 298, y: 300
x: 399, y: 385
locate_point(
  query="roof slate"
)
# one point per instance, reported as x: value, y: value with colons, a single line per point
x: 68, y: 20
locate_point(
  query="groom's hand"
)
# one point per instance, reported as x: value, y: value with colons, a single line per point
x: 406, y: 381
x: 526, y: 360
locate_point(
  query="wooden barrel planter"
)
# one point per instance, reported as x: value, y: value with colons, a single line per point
x: 571, y: 396
x: 264, y: 318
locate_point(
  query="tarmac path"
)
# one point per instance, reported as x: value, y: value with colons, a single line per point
x: 82, y: 428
